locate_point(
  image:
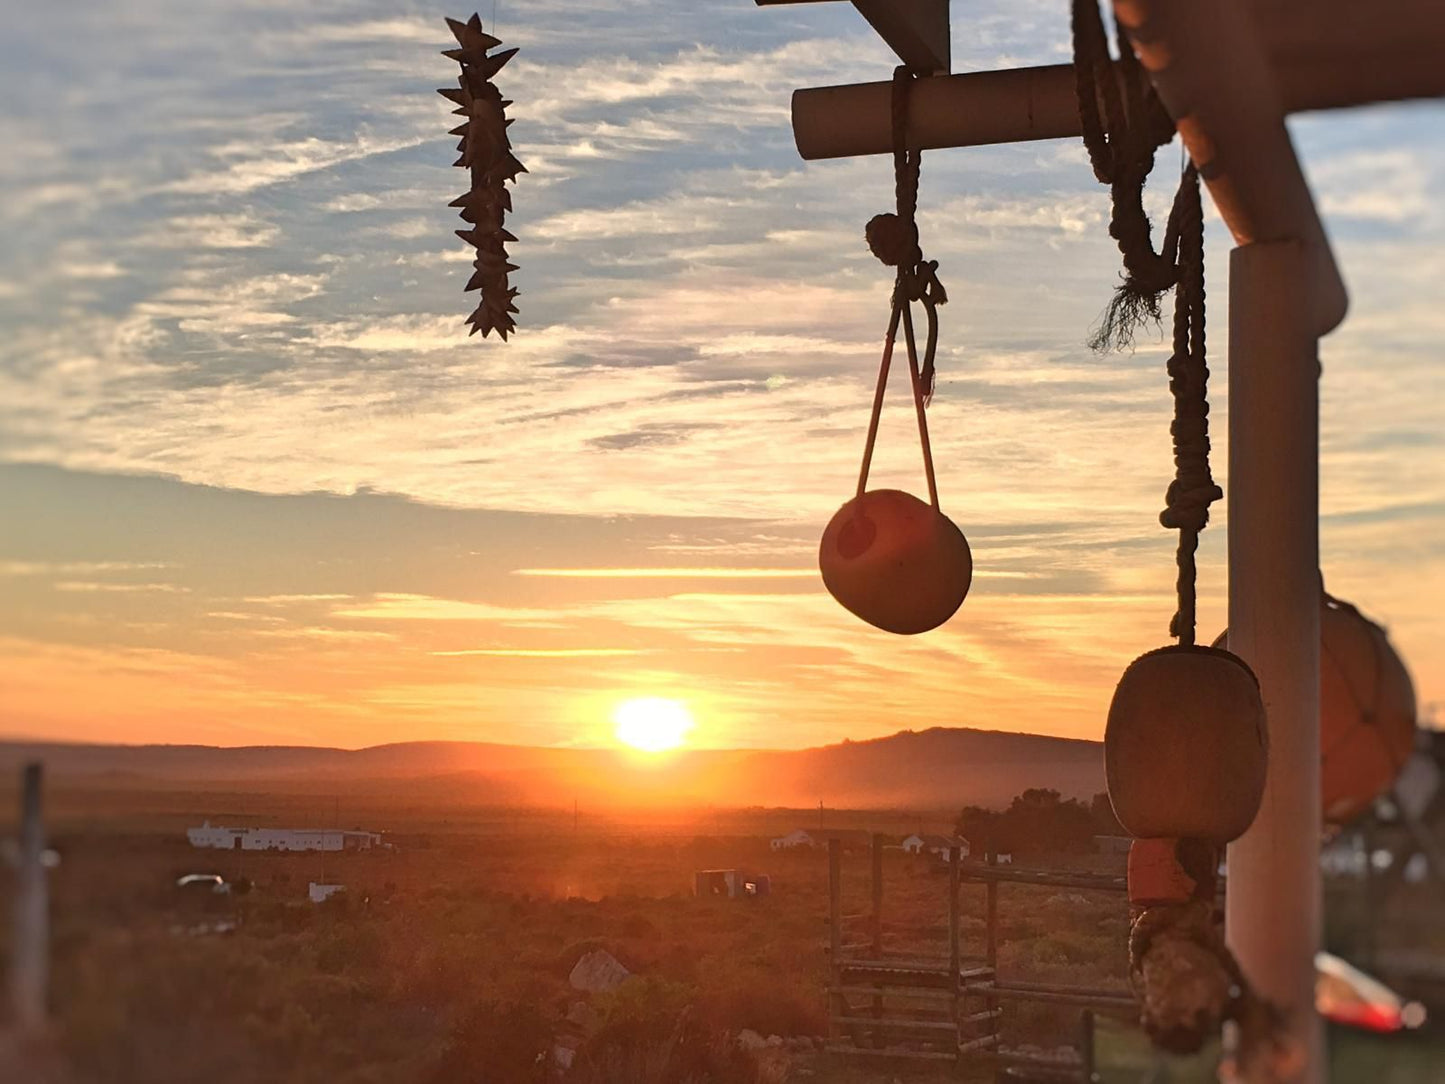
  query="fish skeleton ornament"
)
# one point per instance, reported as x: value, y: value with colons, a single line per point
x: 486, y: 151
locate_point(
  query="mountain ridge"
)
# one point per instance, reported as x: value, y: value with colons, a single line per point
x: 937, y: 766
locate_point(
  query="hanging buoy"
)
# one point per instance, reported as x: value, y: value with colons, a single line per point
x: 890, y: 558
x: 1186, y: 746
x: 895, y: 561
x: 1367, y: 711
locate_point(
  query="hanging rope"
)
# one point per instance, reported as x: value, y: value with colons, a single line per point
x: 1121, y: 133
x: 893, y: 238
x: 1193, y: 489
x: 1124, y: 123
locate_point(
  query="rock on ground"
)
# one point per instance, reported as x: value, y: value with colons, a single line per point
x: 598, y: 972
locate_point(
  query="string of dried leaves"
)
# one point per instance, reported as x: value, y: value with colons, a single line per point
x: 486, y: 151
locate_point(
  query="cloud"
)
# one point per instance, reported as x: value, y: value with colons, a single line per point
x: 671, y: 573
x: 259, y: 291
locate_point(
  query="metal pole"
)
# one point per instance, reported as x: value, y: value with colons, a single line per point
x: 30, y: 963
x: 1273, y: 900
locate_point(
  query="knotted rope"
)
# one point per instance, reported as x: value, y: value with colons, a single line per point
x: 893, y: 238
x: 1121, y: 143
x: 1193, y: 489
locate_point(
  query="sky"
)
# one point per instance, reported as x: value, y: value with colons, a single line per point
x: 258, y: 486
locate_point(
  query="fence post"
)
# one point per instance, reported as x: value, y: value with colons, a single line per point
x: 30, y: 961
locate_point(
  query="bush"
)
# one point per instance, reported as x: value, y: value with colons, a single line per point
x: 770, y: 1008
x: 686, y: 1052
x: 494, y: 1043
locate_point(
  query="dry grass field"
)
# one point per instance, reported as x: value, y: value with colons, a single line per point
x: 446, y: 959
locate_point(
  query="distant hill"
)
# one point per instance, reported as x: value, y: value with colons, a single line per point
x: 938, y: 768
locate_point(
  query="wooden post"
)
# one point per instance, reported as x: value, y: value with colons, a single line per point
x: 835, y: 899
x: 954, y: 960
x: 30, y: 953
x: 835, y: 926
x: 1273, y: 894
x: 1086, y: 1044
x: 954, y: 957
x: 991, y: 946
x: 876, y: 921
x: 991, y: 918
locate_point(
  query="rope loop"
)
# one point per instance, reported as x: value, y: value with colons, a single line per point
x: 1123, y: 123
x: 893, y: 238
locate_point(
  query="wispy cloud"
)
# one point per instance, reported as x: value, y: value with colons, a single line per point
x: 258, y: 291
x: 702, y: 573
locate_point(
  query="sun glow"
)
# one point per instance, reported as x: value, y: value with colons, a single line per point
x: 652, y: 724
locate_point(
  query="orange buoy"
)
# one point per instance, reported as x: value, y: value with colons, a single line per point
x: 1367, y: 711
x: 895, y: 561
x: 1186, y: 746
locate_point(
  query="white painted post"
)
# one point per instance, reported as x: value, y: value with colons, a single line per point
x: 30, y: 954
x: 1273, y: 908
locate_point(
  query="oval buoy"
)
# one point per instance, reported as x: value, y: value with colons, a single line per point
x: 895, y: 561
x: 1186, y: 746
x: 1367, y: 711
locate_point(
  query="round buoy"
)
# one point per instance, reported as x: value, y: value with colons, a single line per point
x: 1186, y: 746
x: 895, y: 561
x: 1367, y: 711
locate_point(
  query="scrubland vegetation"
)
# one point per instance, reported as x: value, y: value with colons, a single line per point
x: 446, y: 960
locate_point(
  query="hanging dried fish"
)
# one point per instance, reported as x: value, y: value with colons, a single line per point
x: 487, y: 152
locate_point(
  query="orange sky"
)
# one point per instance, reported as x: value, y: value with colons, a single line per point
x: 257, y: 486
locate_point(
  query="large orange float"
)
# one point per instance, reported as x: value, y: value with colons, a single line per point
x: 1367, y: 711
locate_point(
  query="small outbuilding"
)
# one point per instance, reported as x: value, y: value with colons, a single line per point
x: 798, y: 837
x: 936, y: 845
x: 731, y: 884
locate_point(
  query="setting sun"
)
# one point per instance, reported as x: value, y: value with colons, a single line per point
x: 652, y: 724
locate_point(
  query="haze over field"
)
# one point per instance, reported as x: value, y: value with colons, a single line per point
x: 257, y: 486
x: 936, y: 769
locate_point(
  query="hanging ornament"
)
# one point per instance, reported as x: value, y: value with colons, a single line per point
x: 1185, y: 747
x: 486, y: 151
x: 1367, y: 711
x: 895, y: 561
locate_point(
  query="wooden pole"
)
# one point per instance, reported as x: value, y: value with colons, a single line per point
x: 1321, y: 54
x: 30, y: 953
x: 1273, y: 898
x: 876, y: 922
x: 955, y: 984
x: 955, y: 959
x: 835, y: 924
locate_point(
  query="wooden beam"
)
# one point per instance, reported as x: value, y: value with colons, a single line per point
x: 1328, y: 54
x: 1210, y: 68
x: 916, y: 30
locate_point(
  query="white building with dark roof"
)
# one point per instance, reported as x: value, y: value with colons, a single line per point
x: 219, y: 837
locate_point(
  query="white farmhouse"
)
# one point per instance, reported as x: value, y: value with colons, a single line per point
x: 796, y: 838
x: 938, y: 846
x: 281, y: 839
